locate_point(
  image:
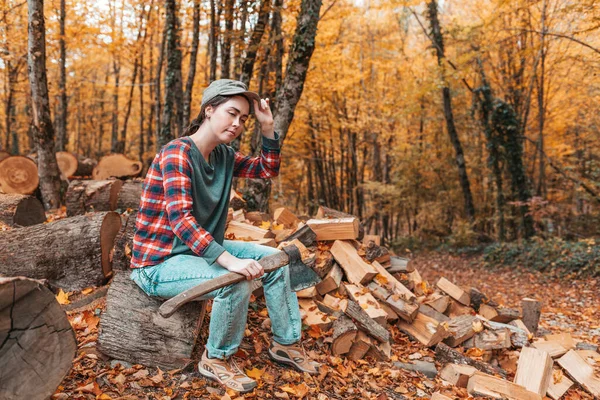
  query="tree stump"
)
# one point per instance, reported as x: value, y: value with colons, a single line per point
x: 67, y: 163
x: 21, y: 210
x: 129, y: 196
x: 116, y: 165
x: 124, y: 244
x: 37, y: 343
x: 18, y: 175
x: 71, y: 253
x: 86, y: 196
x: 132, y: 330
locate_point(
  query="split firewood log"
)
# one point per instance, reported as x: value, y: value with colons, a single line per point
x: 21, y: 210
x: 116, y: 165
x: 37, y: 343
x: 67, y: 163
x: 89, y: 195
x: 124, y: 244
x: 326, y: 212
x: 72, y: 253
x: 18, y: 174
x: 132, y: 330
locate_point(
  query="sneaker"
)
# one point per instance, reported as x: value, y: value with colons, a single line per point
x: 293, y: 355
x: 226, y: 372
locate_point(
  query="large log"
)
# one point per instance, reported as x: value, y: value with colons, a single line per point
x: 132, y: 330
x: 86, y: 196
x: 124, y: 244
x: 447, y: 355
x: 116, y: 165
x: 129, y: 196
x: 21, y: 210
x: 72, y: 253
x: 37, y: 343
x: 67, y: 163
x: 18, y: 175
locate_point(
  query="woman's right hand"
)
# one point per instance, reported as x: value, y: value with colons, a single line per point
x: 248, y: 267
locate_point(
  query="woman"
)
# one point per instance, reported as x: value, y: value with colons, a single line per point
x: 179, y: 239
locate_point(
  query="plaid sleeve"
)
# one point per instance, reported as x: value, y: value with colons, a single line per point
x: 265, y: 166
x: 177, y: 183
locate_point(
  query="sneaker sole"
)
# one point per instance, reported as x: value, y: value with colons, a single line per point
x: 287, y: 361
x: 213, y: 377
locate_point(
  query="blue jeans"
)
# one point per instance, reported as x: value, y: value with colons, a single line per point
x: 230, y: 303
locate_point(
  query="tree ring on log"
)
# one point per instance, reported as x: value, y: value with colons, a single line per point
x: 116, y: 165
x: 18, y: 174
x: 67, y: 163
x: 108, y: 232
x: 37, y: 343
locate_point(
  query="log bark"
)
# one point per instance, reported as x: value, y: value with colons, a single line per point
x: 21, y: 210
x: 124, y: 244
x: 71, y: 253
x: 18, y: 175
x: 85, y: 166
x: 129, y: 196
x: 446, y: 355
x: 86, y: 196
x: 344, y: 332
x: 37, y: 343
x: 132, y: 330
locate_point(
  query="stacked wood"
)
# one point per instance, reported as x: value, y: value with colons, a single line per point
x: 116, y: 166
x: 21, y: 210
x: 37, y: 343
x: 244, y: 231
x: 67, y: 163
x: 482, y: 385
x: 71, y: 253
x: 18, y: 175
x: 328, y: 213
x: 357, y: 270
x: 285, y: 217
x: 236, y: 201
x: 132, y: 330
x: 334, y: 229
x: 87, y: 196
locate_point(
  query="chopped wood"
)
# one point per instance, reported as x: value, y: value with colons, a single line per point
x: 401, y: 308
x: 518, y: 337
x: 454, y: 291
x: 21, y: 210
x: 334, y: 229
x: 534, y: 370
x: 391, y: 314
x: 331, y: 281
x: 344, y: 332
x: 505, y: 315
x: 236, y: 201
x: 445, y: 354
x: 461, y: 328
x: 439, y: 396
x: 517, y: 323
x: 430, y: 312
x: 400, y: 264
x: 492, y: 340
x: 116, y: 165
x: 438, y: 302
x: 326, y: 212
x: 532, y: 310
x: 417, y: 282
x: 88, y: 196
x: 18, y: 175
x: 457, y: 374
x: 37, y: 343
x: 314, y: 316
x: 255, y: 217
x: 496, y: 388
x: 565, y: 339
x: 357, y: 271
x: 477, y: 298
x: 360, y: 346
x: 456, y: 309
x: 559, y: 384
x: 333, y: 310
x: 304, y: 252
x: 363, y: 321
x: 590, y: 356
x: 306, y: 235
x: 425, y: 329
x: 281, y: 235
x: 307, y: 293
x: 130, y: 196
x: 374, y: 238
x: 367, y: 302
x: 555, y: 349
x: 376, y: 252
x: 581, y: 372
x: 241, y: 231
x: 380, y: 351
x: 285, y: 217
x: 392, y: 283
x: 132, y: 330
x: 67, y: 163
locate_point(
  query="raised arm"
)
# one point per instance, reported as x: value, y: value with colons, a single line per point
x: 265, y: 166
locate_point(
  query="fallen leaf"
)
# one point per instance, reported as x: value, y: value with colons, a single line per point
x: 299, y: 390
x: 62, y: 297
x: 87, y: 290
x: 158, y: 378
x: 255, y: 373
x: 477, y: 326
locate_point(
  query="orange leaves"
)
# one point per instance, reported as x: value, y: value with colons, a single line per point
x: 62, y: 297
x: 298, y: 391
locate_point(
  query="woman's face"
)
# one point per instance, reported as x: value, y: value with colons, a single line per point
x: 227, y: 120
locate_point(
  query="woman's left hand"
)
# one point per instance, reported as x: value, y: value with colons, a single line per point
x: 263, y: 114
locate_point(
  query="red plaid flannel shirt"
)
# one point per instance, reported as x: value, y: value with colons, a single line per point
x: 166, y: 203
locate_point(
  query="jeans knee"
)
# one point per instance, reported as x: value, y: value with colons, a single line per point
x: 241, y: 289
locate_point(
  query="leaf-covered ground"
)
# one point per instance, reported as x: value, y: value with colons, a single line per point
x: 569, y: 306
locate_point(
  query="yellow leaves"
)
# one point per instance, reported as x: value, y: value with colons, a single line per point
x: 557, y: 376
x: 265, y: 225
x: 477, y: 326
x: 474, y: 352
x: 314, y: 332
x: 299, y: 390
x: 87, y: 290
x: 62, y: 297
x: 255, y: 373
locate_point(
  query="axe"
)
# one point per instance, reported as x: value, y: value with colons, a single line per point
x: 301, y: 277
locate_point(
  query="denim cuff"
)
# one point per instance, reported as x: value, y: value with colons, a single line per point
x: 212, y: 252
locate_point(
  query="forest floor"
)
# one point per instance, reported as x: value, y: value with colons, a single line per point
x: 569, y: 306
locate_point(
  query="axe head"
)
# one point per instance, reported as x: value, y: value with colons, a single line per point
x: 301, y: 276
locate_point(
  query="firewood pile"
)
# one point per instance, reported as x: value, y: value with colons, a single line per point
x: 365, y: 291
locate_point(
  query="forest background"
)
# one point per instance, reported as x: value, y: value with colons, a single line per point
x: 441, y: 122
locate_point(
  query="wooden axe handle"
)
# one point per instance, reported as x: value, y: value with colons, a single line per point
x: 269, y: 264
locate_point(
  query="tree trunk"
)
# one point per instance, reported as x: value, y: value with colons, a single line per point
x: 299, y: 58
x: 226, y: 44
x: 213, y: 39
x: 71, y: 253
x: 37, y: 343
x: 173, y: 86
x: 62, y: 138
x: 438, y: 42
x: 189, y: 86
x: 43, y: 131
x: 254, y: 42
x: 21, y: 210
x: 157, y: 93
x: 132, y: 330
x: 241, y: 41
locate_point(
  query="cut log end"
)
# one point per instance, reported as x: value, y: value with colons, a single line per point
x: 116, y: 165
x: 18, y: 175
x: 21, y: 210
x: 67, y: 163
x: 108, y: 232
